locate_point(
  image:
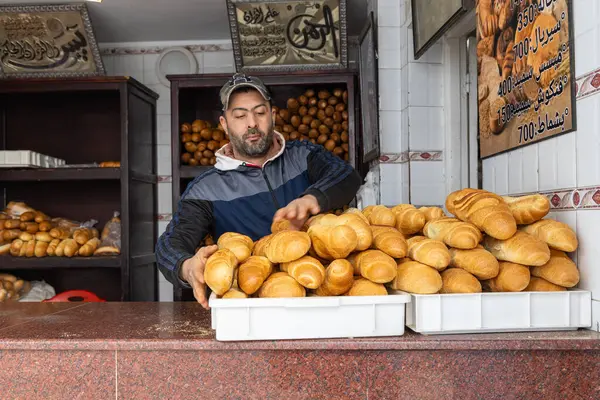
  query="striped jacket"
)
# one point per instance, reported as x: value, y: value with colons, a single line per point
x: 238, y: 197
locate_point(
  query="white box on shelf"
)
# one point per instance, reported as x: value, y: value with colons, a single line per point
x: 27, y: 159
x: 308, y: 317
x: 499, y: 312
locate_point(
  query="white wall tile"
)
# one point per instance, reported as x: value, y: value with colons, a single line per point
x: 404, y: 87
x: 547, y: 178
x: 388, y: 38
x: 586, y: 51
x: 163, y: 104
x: 200, y: 59
x: 588, y: 141
x: 566, y: 173
x: 588, y: 254
x: 390, y: 59
x: 388, y: 13
x: 130, y: 65
x: 530, y: 168
x: 162, y: 227
x: 515, y: 171
x: 165, y: 197
x: 163, y: 159
x: 501, y: 174
x: 394, y: 183
x: 433, y: 55
x: 595, y: 316
x: 218, y: 61
x: 109, y: 64
x: 150, y: 77
x: 393, y: 140
x: 165, y: 292
x: 426, y: 125
x: 163, y: 129
x: 425, y: 84
x: 427, y: 183
x: 584, y: 15
x: 489, y: 174
x: 390, y: 90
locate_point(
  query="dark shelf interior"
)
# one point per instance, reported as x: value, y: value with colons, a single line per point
x: 59, y: 174
x: 9, y: 262
x: 187, y: 172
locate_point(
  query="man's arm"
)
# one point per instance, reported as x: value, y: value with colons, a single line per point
x: 334, y: 182
x: 189, y: 226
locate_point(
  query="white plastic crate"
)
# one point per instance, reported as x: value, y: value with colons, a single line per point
x: 27, y: 159
x: 308, y: 317
x: 499, y: 312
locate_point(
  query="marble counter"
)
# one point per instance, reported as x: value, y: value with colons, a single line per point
x: 168, y: 351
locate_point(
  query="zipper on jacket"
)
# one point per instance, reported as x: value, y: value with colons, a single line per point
x: 270, y: 189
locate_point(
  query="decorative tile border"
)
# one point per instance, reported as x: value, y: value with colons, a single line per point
x: 164, y: 217
x: 425, y: 156
x: 588, y: 84
x: 196, y: 48
x: 574, y: 199
x: 164, y: 178
x: 394, y: 158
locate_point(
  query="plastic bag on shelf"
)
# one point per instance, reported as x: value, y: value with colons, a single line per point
x: 110, y: 237
x: 366, y: 193
x: 39, y: 291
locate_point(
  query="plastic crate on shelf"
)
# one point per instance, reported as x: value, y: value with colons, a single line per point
x: 27, y: 159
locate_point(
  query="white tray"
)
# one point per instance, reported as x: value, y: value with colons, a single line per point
x: 27, y: 159
x: 499, y: 312
x: 308, y: 317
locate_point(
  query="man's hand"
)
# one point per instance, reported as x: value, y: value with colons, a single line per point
x: 192, y: 271
x: 299, y: 210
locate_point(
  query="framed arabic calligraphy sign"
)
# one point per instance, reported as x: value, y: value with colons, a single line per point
x: 525, y: 71
x: 41, y: 41
x: 275, y: 35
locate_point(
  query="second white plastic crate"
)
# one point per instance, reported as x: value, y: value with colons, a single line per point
x: 499, y: 312
x: 27, y: 159
x: 308, y: 317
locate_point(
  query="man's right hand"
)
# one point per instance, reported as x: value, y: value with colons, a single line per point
x: 192, y: 271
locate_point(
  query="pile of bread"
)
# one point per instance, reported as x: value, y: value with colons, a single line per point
x: 26, y: 232
x: 200, y: 141
x: 12, y: 288
x: 491, y: 243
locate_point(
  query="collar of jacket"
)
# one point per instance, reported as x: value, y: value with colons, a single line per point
x: 226, y: 163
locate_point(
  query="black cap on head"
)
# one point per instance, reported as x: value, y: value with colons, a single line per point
x: 239, y: 80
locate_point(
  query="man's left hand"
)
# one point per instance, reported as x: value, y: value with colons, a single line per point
x: 299, y: 210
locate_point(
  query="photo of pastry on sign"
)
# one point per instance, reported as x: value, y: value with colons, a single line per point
x: 524, y: 72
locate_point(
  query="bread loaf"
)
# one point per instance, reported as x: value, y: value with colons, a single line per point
x: 488, y: 212
x: 390, y: 241
x: 362, y: 229
x: 381, y: 215
x: 521, y: 248
x: 5, y: 249
x: 432, y: 213
x: 218, y: 271
x: 333, y: 242
x: 261, y: 245
x: 559, y: 270
x: 240, y: 245
x: 51, y: 250
x: 307, y: 271
x: 528, y: 209
x: 357, y: 212
x: 234, y: 294
x: 511, y: 278
x: 287, y: 246
x: 253, y: 272
x: 429, y: 252
x: 541, y: 285
x: 71, y: 247
x: 41, y: 249
x: 456, y: 195
x: 478, y: 262
x: 457, y: 280
x: 453, y: 232
x: 339, y: 277
x: 415, y: 277
x: 30, y: 252
x: 280, y: 284
x: 43, y: 237
x: 82, y: 235
x: 27, y: 216
x: 557, y: 235
x: 376, y: 266
x: 281, y: 225
x: 88, y: 249
x: 364, y: 287
x: 409, y: 219
x: 60, y: 233
x: 15, y: 247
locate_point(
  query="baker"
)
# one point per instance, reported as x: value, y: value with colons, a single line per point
x: 258, y: 179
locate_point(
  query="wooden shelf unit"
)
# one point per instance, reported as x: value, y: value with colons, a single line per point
x: 86, y: 121
x: 196, y: 97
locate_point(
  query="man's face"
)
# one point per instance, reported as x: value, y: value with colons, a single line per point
x: 249, y: 123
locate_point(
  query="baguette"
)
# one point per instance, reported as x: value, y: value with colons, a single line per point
x: 30, y: 252
x: 82, y: 235
x: 522, y: 248
x: 31, y: 227
x: 358, y: 213
x: 12, y: 224
x: 41, y: 249
x: 456, y: 195
x: 307, y: 271
x: 43, y: 237
x: 280, y: 284
x: 45, y: 226
x: 559, y: 270
x: 41, y: 217
x: 362, y: 229
x: 88, y: 249
x: 27, y: 216
x: 390, y: 241
x: 381, y: 215
x: 415, y: 277
x: 409, y: 219
x: 511, y: 278
x: 478, y: 262
x: 60, y: 233
x: 557, y: 235
x: 260, y: 246
x: 541, y: 285
x: 26, y: 236
x: 11, y: 234
x: 15, y: 247
x: 333, y: 242
x: 71, y: 247
x: 429, y: 252
x: 253, y: 272
x: 5, y: 249
x: 339, y: 277
x: 528, y: 209
x: 488, y: 212
x: 432, y: 213
x: 218, y: 271
x: 376, y: 266
x: 453, y: 232
x: 457, y: 280
x: 287, y: 246
x: 364, y: 287
x: 51, y: 250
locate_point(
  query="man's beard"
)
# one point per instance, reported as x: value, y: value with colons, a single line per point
x: 252, y: 149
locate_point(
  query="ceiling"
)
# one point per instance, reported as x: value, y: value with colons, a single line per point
x: 118, y: 21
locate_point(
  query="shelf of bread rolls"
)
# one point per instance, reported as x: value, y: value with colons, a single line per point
x: 29, y: 237
x: 494, y: 263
